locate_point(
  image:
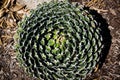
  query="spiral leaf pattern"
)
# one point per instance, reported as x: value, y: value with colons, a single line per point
x: 59, y: 41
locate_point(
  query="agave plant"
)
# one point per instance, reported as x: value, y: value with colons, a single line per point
x: 59, y: 41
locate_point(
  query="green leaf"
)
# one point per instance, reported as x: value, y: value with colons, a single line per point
x: 51, y: 42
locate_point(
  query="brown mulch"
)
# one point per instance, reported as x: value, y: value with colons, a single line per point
x: 14, y: 12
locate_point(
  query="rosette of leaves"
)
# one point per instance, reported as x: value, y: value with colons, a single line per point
x: 59, y: 41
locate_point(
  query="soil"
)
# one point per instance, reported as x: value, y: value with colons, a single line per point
x: 109, y: 69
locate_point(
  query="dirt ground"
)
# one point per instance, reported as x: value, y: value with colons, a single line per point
x: 109, y: 70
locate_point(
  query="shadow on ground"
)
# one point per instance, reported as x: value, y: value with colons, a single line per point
x: 105, y: 32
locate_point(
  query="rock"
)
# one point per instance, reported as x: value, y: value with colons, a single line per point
x: 31, y: 4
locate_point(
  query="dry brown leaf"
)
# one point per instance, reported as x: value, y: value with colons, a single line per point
x: 96, y: 68
x: 99, y: 10
x: 90, y: 3
x: 3, y: 23
x: 6, y: 36
x: 2, y: 11
x: 11, y: 15
x: 17, y: 7
x: 1, y: 42
x: 17, y: 16
x: 9, y: 24
x: 6, y: 3
x: 95, y: 3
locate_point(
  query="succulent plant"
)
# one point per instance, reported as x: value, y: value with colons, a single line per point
x: 59, y: 41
